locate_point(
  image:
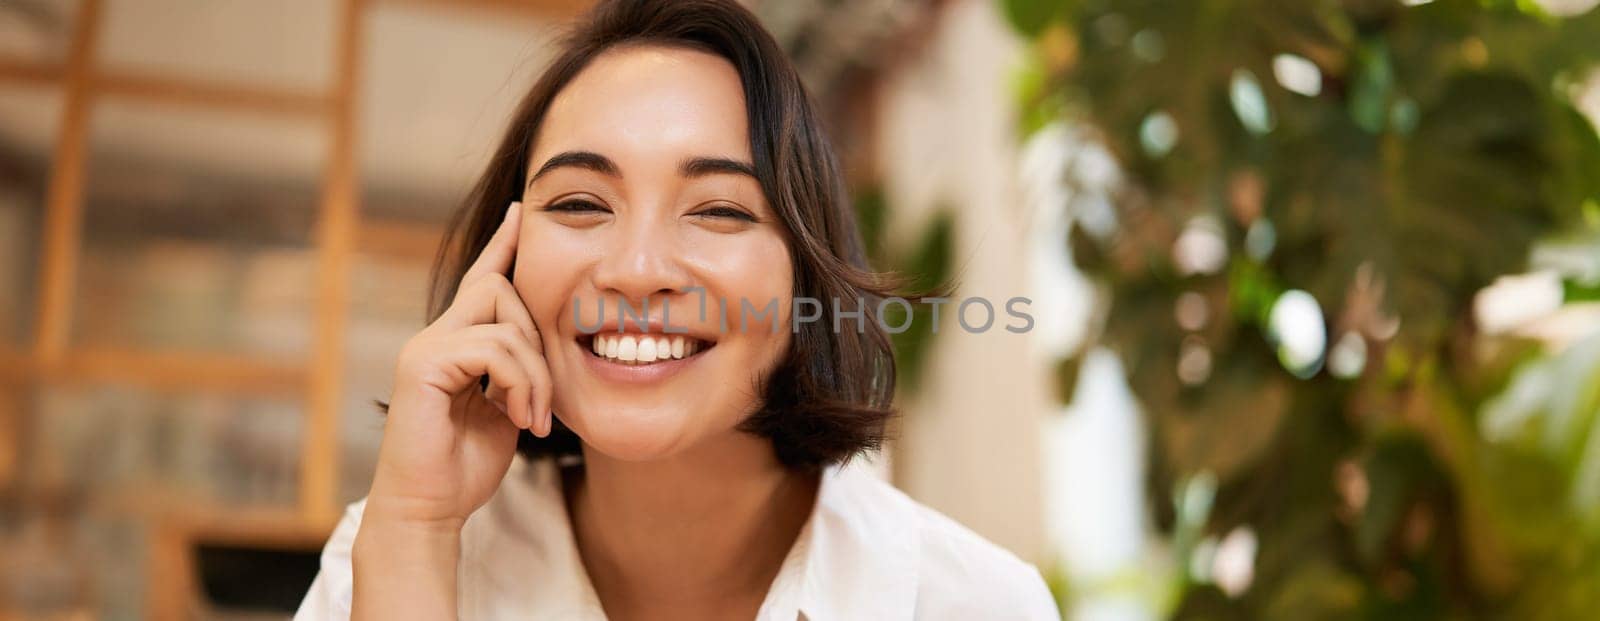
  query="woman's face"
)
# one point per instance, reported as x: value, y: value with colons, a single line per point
x: 641, y: 192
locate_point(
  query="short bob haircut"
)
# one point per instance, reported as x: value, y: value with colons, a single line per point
x: 830, y: 396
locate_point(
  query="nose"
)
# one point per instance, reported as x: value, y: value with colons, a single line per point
x: 641, y: 261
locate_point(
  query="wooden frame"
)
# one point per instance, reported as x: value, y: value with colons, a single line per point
x: 319, y: 462
x: 64, y: 198
x: 12, y: 70
x: 53, y: 359
x: 129, y: 85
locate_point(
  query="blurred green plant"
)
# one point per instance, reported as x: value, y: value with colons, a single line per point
x: 1312, y: 194
x: 927, y: 263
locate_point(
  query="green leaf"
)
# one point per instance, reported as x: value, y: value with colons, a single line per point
x: 1030, y: 17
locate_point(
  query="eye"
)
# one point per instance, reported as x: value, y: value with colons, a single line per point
x: 576, y: 205
x: 723, y: 211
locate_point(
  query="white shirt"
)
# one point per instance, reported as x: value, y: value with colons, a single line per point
x: 867, y: 552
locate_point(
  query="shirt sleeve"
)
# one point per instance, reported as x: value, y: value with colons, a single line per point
x: 329, y: 596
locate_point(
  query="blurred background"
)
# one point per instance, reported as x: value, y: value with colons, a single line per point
x: 1316, y: 286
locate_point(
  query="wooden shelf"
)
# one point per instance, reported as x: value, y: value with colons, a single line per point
x: 177, y: 521
x: 121, y: 84
x: 193, y: 511
x: 17, y: 70
x: 201, y: 518
x: 266, y: 528
x: 172, y: 541
x: 398, y: 240
x: 185, y: 371
x: 161, y: 371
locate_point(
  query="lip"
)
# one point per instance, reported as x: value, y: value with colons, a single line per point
x: 635, y: 373
x: 649, y: 325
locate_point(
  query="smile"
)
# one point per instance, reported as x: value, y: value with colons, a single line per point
x: 644, y: 349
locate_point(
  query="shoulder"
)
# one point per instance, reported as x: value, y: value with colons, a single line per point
x: 965, y: 575
x: 959, y: 573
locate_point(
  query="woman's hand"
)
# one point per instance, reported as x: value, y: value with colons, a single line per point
x: 446, y: 443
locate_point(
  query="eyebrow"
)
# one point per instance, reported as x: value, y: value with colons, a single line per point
x: 702, y: 166
x: 693, y: 167
x: 577, y: 159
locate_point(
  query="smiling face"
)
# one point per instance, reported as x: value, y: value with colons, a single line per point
x: 641, y: 192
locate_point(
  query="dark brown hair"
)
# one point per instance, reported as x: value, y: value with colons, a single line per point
x: 830, y: 395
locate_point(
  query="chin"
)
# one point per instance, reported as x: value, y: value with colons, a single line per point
x: 634, y: 433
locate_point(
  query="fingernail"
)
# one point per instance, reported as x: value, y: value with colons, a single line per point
x: 513, y: 208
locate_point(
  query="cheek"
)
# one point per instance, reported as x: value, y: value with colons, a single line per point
x: 548, y: 264
x: 755, y: 282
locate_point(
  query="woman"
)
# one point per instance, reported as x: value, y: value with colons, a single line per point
x: 575, y: 436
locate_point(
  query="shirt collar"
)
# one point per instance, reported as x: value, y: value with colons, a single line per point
x: 856, y: 556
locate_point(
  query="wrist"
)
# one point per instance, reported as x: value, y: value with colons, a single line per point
x: 419, y: 534
x: 386, y: 535
x: 404, y: 568
x: 391, y: 504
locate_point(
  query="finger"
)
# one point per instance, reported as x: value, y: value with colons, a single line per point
x: 541, y: 388
x: 491, y: 299
x: 498, y: 397
x: 508, y: 308
x: 483, y: 350
x: 543, y: 393
x: 497, y: 255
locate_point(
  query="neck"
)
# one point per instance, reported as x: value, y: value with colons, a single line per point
x: 710, y: 526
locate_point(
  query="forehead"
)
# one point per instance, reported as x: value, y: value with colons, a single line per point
x: 641, y: 102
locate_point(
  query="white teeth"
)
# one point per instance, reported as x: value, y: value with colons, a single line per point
x: 640, y: 349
